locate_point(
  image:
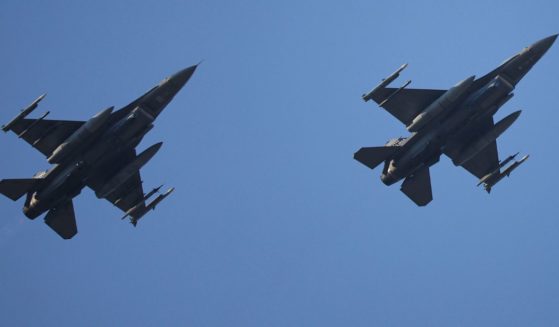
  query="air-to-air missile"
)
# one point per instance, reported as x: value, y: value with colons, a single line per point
x: 141, y: 204
x: 99, y: 153
x: 159, y: 198
x: 496, y: 176
x: 368, y: 96
x: 456, y: 122
x: 140, y: 209
x: 152, y: 192
x: 24, y: 113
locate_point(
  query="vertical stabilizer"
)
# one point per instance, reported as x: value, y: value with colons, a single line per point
x: 62, y: 220
x: 418, y: 187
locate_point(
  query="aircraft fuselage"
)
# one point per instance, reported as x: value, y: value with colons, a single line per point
x: 482, y: 98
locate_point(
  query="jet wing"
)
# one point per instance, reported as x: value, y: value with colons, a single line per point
x: 130, y: 193
x: 406, y: 104
x: 45, y: 135
x: 485, y: 161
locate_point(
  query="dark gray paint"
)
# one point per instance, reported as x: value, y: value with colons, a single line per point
x: 99, y: 153
x: 457, y: 122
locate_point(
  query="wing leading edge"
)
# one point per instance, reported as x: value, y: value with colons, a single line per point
x: 406, y: 104
x: 45, y: 135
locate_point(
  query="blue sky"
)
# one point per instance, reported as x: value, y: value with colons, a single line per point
x: 273, y: 223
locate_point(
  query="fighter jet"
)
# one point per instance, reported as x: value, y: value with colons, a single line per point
x: 98, y: 153
x: 457, y: 122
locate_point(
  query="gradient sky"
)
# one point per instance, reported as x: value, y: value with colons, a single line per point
x: 273, y: 223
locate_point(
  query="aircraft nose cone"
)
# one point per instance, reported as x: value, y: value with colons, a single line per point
x: 180, y: 78
x: 543, y: 45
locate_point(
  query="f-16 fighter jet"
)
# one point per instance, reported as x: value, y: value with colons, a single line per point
x: 98, y: 153
x: 457, y: 122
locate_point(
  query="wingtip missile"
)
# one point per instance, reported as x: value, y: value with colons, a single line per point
x: 140, y: 210
x: 23, y: 113
x: 497, y: 171
x: 141, y: 204
x: 496, y: 176
x: 515, y: 165
x: 369, y: 95
x: 159, y: 198
x: 41, y: 97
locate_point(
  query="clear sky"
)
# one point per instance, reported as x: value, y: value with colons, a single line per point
x: 273, y: 223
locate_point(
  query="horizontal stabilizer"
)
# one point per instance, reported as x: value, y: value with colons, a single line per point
x: 63, y: 220
x: 373, y: 156
x: 418, y: 187
x: 16, y: 188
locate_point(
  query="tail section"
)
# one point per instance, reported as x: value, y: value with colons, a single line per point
x: 418, y: 187
x: 373, y: 156
x: 16, y: 188
x: 62, y: 220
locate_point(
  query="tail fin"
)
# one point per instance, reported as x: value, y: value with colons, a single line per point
x: 62, y: 220
x: 418, y: 187
x: 373, y: 156
x: 16, y: 188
